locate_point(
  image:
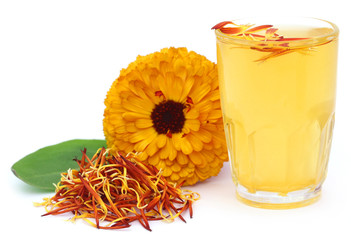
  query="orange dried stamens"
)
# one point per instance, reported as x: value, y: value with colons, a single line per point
x: 159, y: 94
x: 119, y: 190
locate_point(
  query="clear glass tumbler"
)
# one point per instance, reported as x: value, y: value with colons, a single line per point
x: 278, y: 83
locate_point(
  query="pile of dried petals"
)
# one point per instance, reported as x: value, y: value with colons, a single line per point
x: 119, y: 190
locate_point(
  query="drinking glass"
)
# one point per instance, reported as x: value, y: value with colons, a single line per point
x: 278, y: 89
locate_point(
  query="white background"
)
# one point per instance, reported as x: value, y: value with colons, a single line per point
x: 58, y: 60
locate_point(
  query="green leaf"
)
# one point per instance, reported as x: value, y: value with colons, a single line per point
x: 43, y: 168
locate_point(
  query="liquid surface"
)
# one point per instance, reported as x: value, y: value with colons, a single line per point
x: 279, y: 113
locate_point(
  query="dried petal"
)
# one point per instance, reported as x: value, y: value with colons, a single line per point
x: 258, y: 28
x: 221, y: 24
x: 270, y: 32
x: 232, y: 30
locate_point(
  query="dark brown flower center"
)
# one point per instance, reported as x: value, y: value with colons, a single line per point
x: 168, y: 117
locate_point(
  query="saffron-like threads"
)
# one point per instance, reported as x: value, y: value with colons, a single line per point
x: 118, y: 190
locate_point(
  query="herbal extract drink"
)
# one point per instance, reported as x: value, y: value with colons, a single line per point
x: 278, y: 87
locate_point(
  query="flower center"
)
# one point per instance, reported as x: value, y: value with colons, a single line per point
x: 168, y: 117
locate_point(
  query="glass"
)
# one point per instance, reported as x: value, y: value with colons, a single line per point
x: 278, y: 103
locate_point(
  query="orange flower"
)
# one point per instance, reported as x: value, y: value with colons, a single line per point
x: 166, y: 107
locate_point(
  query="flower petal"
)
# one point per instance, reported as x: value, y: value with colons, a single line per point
x: 192, y: 114
x: 142, y: 156
x: 176, y: 140
x: 160, y: 165
x: 184, y: 172
x: 153, y: 160
x: 180, y: 68
x: 143, y: 103
x: 163, y: 84
x: 142, y: 134
x: 174, y: 177
x: 130, y: 127
x: 173, y: 153
x: 215, y: 114
x: 204, y: 135
x: 175, y: 86
x: 199, y: 92
x: 143, y: 123
x: 161, y: 140
x: 191, y: 124
x: 152, y: 147
x: 196, y: 158
x: 167, y: 171
x: 145, y: 142
x: 120, y: 129
x: 195, y: 142
x: 176, y: 167
x: 221, y: 24
x: 182, y: 159
x: 186, y: 146
x: 130, y: 106
x: 202, y: 174
x: 189, y: 82
x: 168, y: 151
x: 132, y: 116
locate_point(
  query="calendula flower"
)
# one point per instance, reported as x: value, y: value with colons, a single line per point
x: 166, y: 107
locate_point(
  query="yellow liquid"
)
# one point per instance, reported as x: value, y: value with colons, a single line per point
x: 278, y: 113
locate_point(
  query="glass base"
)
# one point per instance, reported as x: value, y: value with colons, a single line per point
x: 272, y: 200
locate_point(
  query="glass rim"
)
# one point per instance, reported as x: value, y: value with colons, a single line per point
x: 309, y: 41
